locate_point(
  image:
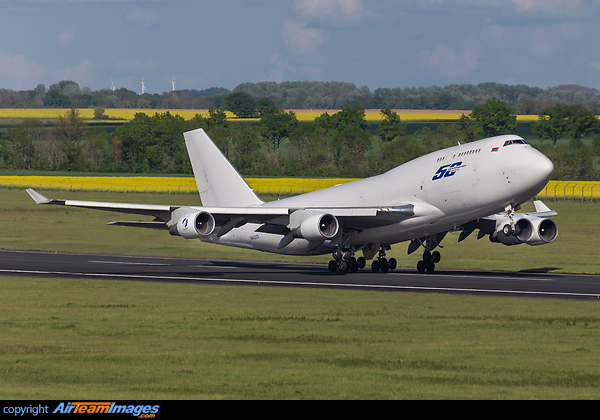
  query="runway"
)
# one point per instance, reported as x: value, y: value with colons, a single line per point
x: 269, y: 274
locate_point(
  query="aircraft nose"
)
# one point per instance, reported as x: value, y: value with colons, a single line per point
x: 544, y: 167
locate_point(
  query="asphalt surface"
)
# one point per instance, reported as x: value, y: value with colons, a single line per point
x: 477, y: 283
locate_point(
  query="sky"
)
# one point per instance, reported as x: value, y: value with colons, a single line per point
x: 200, y: 44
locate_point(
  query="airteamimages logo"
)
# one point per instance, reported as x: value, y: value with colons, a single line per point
x: 142, y: 411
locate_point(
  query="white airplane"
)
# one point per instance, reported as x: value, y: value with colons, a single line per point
x: 478, y: 185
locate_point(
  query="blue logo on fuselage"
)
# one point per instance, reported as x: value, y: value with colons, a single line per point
x: 447, y: 170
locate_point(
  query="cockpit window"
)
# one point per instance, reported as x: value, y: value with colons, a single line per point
x: 518, y: 141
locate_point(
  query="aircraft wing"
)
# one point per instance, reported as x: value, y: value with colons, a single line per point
x: 351, y: 217
x: 141, y: 209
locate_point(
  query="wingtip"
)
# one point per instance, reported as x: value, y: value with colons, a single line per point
x: 37, y: 197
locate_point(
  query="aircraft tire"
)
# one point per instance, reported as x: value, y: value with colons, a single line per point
x: 421, y: 266
x: 383, y: 265
x: 392, y: 263
x: 353, y: 266
x: 430, y: 266
x: 375, y: 266
x: 436, y: 257
x: 333, y: 266
x: 361, y: 262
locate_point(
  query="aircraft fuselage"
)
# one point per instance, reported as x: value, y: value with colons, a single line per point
x: 447, y: 188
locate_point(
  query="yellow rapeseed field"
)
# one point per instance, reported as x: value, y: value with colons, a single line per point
x: 371, y: 115
x: 555, y: 190
x: 267, y: 186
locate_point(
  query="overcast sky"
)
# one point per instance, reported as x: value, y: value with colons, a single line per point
x: 222, y: 43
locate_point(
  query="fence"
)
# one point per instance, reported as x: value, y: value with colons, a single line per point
x: 571, y: 190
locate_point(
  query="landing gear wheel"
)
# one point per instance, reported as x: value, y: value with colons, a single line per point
x: 436, y: 257
x: 507, y: 230
x: 392, y: 263
x: 375, y: 266
x: 421, y: 266
x: 353, y: 266
x: 343, y: 266
x: 426, y: 256
x: 383, y: 265
x: 333, y: 266
x: 430, y: 266
x: 361, y: 262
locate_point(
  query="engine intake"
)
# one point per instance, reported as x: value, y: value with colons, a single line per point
x: 318, y: 227
x: 195, y: 225
x: 527, y: 230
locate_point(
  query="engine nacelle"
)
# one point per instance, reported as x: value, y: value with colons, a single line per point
x: 195, y: 225
x: 544, y: 231
x: 527, y: 230
x: 318, y: 227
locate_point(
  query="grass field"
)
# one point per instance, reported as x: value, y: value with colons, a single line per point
x: 97, y: 339
x: 81, y: 339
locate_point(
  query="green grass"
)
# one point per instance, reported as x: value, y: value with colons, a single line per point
x: 82, y: 339
x: 100, y: 339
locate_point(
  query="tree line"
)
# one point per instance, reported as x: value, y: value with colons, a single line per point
x: 521, y: 98
x: 337, y: 144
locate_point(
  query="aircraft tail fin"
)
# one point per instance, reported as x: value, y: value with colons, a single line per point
x: 219, y: 183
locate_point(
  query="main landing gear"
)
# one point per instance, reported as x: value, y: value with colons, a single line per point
x: 344, y: 261
x: 383, y: 264
x: 428, y: 262
x: 430, y: 259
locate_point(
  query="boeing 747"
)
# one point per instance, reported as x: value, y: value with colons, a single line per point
x: 474, y: 186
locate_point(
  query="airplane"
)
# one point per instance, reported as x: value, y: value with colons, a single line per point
x: 473, y: 186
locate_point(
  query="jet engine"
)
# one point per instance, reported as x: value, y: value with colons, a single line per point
x: 525, y: 230
x: 318, y: 227
x: 194, y: 226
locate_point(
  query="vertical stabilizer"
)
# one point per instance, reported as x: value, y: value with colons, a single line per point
x: 219, y: 183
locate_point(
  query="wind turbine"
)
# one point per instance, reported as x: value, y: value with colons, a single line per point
x: 173, y: 84
x: 112, y: 84
x: 144, y: 87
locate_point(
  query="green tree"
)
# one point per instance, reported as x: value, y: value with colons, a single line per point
x: 558, y: 121
x: 469, y: 130
x: 551, y: 123
x: 241, y: 104
x: 154, y: 144
x: 310, y: 150
x: 391, y: 126
x: 276, y: 125
x: 69, y: 134
x: 21, y: 140
x: 580, y: 122
x: 495, y: 117
x: 55, y: 99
